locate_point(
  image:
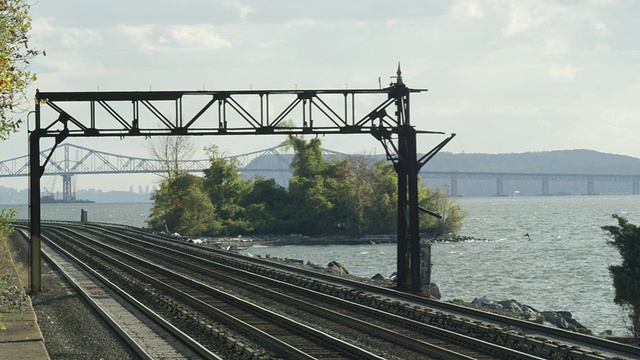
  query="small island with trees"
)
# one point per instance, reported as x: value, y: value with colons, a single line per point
x: 351, y: 196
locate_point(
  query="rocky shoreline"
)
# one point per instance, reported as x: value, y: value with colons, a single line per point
x: 509, y: 307
x: 298, y: 239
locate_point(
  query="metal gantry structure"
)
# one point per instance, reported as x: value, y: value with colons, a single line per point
x: 243, y: 112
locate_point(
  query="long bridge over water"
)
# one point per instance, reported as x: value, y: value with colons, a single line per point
x: 69, y: 160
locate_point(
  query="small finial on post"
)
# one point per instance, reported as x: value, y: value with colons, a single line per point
x: 398, y: 76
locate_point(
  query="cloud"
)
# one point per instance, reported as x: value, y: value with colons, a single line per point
x: 467, y: 9
x: 197, y: 37
x: 519, y: 20
x: 243, y: 10
x: 523, y: 15
x: 560, y: 71
x: 555, y: 47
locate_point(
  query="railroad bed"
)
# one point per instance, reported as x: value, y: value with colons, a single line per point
x: 213, y: 303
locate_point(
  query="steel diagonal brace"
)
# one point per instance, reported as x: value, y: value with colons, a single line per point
x: 242, y: 112
x: 64, y: 118
x: 285, y: 112
x: 378, y: 113
x: 426, y: 157
x: 328, y: 111
x: 383, y: 135
x: 202, y: 111
x: 158, y: 114
x: 114, y: 114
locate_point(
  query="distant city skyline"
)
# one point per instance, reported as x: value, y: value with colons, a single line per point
x: 506, y: 76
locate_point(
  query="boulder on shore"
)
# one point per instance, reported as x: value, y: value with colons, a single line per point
x: 561, y: 319
x: 337, y: 268
x: 432, y: 290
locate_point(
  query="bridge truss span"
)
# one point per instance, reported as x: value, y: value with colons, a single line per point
x: 544, y: 178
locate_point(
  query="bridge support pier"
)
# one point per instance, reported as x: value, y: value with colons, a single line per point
x: 499, y: 186
x: 590, y: 187
x: 545, y: 186
x: 454, y: 186
x: 67, y: 192
x: 635, y: 186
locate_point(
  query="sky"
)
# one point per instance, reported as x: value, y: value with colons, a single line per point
x: 505, y: 76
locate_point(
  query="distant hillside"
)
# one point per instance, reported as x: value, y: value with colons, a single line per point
x: 561, y: 161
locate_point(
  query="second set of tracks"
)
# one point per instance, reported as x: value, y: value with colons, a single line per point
x: 271, y: 310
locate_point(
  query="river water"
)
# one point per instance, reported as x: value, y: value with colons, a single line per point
x: 562, y: 267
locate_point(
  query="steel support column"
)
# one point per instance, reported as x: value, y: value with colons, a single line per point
x: 35, y: 172
x: 413, y: 231
x: 402, y: 257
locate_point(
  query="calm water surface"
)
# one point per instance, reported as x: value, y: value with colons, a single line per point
x: 562, y: 267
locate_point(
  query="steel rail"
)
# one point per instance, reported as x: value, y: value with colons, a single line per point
x: 182, y: 280
x: 238, y: 277
x: 553, y: 334
x: 113, y: 323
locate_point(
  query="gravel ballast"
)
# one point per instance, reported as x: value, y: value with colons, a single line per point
x: 71, y: 329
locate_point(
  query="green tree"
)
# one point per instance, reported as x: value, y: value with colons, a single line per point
x: 15, y: 55
x: 626, y: 276
x: 182, y: 206
x: 268, y: 207
x: 309, y: 187
x: 226, y: 189
x: 437, y: 201
x: 6, y: 216
x: 382, y: 214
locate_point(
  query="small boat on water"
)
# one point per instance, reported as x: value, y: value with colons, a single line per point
x: 51, y: 199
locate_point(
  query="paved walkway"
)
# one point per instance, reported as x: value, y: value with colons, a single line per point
x: 21, y: 338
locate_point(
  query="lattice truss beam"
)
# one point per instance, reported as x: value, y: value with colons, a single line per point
x: 219, y: 112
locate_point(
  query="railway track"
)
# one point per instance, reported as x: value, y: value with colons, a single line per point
x: 211, y: 305
x: 148, y: 334
x: 544, y: 341
x: 387, y: 323
x: 390, y: 332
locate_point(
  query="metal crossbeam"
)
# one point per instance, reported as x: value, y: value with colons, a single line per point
x: 241, y: 112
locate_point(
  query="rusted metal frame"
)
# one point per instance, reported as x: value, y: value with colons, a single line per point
x: 64, y: 117
x: 243, y: 112
x: 377, y: 113
x: 284, y: 113
x: 201, y: 112
x: 48, y: 161
x: 35, y: 173
x: 158, y: 114
x: 328, y: 112
x: 428, y: 156
x: 114, y: 114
